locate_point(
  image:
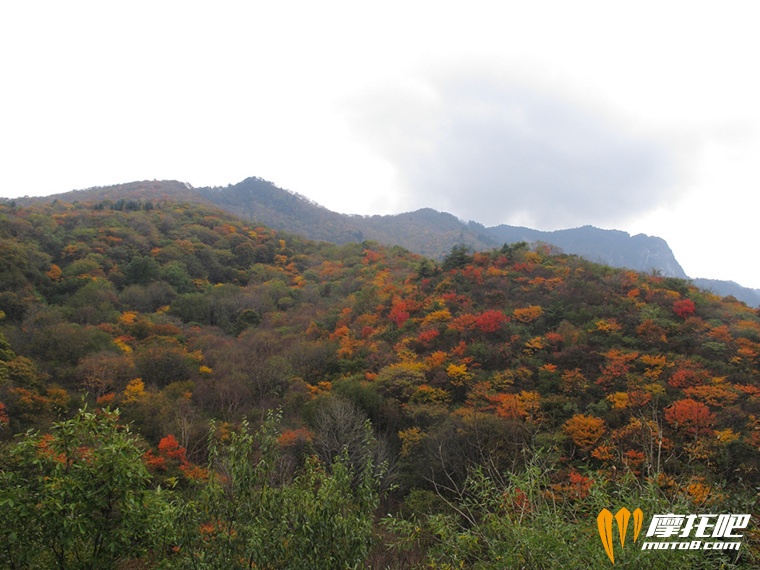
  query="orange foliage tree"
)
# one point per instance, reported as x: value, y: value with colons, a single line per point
x: 688, y: 375
x: 585, y: 430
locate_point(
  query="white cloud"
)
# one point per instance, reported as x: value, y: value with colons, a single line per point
x: 490, y: 149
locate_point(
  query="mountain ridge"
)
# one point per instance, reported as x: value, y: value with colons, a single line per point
x: 425, y: 231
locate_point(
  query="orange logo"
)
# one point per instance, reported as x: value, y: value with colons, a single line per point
x: 604, y: 522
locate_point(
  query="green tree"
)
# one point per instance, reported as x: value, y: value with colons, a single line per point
x: 78, y: 497
x: 142, y: 270
x: 459, y: 256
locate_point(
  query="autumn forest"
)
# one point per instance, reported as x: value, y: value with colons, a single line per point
x: 180, y: 388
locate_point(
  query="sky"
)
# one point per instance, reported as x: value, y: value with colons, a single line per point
x: 643, y: 117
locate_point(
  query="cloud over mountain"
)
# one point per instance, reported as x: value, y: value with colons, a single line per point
x: 489, y: 148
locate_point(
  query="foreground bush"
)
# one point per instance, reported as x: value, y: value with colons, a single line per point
x: 81, y: 497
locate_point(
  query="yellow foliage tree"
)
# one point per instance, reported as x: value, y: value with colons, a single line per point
x: 458, y: 373
x: 134, y: 391
x: 528, y: 314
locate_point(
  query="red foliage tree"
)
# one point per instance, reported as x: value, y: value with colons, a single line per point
x: 169, y: 447
x: 399, y: 313
x: 684, y: 308
x: 690, y: 416
x: 428, y: 335
x: 173, y: 456
x: 490, y: 321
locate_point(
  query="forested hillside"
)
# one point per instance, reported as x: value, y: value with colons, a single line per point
x: 425, y: 231
x: 299, y: 404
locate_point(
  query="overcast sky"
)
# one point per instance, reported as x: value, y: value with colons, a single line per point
x: 638, y: 116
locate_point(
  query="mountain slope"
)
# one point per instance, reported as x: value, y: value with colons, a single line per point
x: 611, y: 247
x: 426, y: 231
x: 260, y: 201
x: 500, y: 363
x: 433, y: 233
x: 155, y: 190
x: 726, y: 288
